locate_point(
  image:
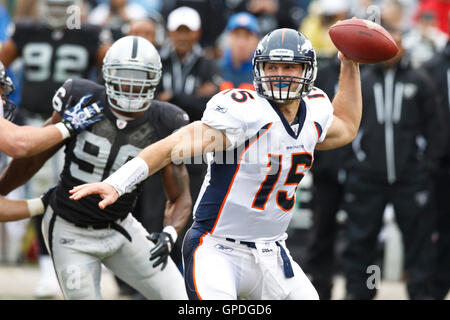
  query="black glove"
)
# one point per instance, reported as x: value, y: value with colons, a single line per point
x: 164, y: 244
x: 82, y: 115
x: 45, y: 198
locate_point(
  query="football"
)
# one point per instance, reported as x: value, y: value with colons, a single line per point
x: 363, y: 41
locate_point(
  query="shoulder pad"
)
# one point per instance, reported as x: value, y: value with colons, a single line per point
x: 169, y: 117
x: 239, y: 99
x: 237, y: 108
x: 75, y: 89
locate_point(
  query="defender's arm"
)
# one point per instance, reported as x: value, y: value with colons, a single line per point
x: 19, y: 171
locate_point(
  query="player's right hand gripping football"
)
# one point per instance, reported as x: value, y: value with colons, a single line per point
x: 107, y: 192
x: 82, y: 115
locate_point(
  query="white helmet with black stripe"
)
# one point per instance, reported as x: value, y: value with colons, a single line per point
x: 132, y: 70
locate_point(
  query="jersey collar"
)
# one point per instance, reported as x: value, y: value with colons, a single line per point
x: 130, y: 123
x: 301, y: 115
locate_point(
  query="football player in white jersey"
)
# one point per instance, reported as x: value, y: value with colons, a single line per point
x: 259, y: 145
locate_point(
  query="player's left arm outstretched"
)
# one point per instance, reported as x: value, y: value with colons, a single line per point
x: 178, y: 208
x: 192, y: 140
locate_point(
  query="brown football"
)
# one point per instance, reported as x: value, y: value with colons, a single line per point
x: 363, y: 41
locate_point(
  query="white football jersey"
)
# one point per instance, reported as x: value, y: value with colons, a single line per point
x: 249, y: 190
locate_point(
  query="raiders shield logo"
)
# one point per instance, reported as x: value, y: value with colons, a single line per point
x: 121, y: 123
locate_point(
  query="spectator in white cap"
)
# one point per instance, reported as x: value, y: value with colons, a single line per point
x: 188, y: 80
x: 185, y: 70
x: 242, y: 36
x: 184, y: 28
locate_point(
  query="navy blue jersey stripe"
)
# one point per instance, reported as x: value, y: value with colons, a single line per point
x: 190, y: 243
x: 220, y: 181
x: 313, y: 96
x: 319, y: 128
x: 301, y: 116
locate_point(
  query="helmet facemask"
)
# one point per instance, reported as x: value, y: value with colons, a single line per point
x: 130, y: 88
x: 290, y: 47
x: 294, y: 87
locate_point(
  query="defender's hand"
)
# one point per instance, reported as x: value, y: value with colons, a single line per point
x: 82, y: 115
x: 164, y: 244
x: 104, y: 190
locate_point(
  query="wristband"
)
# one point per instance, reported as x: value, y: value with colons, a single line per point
x: 173, y: 233
x: 128, y: 175
x: 35, y: 206
x: 63, y: 129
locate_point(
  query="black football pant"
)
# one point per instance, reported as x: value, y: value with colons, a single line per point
x: 320, y: 264
x: 364, y: 202
x: 441, y: 270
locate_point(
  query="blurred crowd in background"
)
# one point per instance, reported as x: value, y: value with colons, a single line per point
x: 400, y: 157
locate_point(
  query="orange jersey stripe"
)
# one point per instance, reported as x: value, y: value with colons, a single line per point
x: 234, y: 176
x: 220, y: 211
x: 193, y: 266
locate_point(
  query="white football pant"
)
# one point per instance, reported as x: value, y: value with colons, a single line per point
x: 79, y: 252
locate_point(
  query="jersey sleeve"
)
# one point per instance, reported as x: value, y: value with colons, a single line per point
x: 322, y: 110
x: 62, y: 96
x: 225, y: 115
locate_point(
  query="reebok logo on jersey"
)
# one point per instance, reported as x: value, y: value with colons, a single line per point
x: 221, y: 109
x: 223, y: 248
x: 67, y: 241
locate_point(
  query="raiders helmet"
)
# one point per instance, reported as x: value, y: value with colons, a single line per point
x: 284, y: 45
x: 8, y: 87
x: 132, y: 70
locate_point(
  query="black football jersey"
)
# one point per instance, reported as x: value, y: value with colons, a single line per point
x: 51, y: 57
x: 104, y: 147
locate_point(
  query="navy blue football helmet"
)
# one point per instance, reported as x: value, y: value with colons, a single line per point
x: 8, y: 87
x: 284, y: 45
